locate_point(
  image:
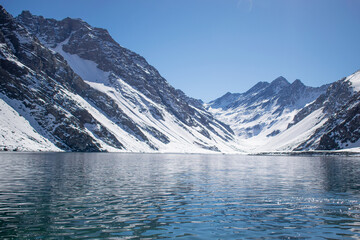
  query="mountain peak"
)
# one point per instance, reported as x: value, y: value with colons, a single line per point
x: 26, y: 14
x: 278, y: 84
x: 280, y: 81
x: 298, y: 83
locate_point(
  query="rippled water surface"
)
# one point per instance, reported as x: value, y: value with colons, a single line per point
x: 151, y: 196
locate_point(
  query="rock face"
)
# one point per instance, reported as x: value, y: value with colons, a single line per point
x: 82, y: 91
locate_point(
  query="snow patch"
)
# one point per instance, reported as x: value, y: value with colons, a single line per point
x: 354, y: 79
x: 86, y: 69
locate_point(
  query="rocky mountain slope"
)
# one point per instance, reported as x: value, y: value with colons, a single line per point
x: 280, y: 116
x: 339, y: 108
x: 75, y: 89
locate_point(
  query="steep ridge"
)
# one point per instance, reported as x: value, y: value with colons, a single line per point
x: 81, y: 91
x: 340, y: 107
x: 40, y: 86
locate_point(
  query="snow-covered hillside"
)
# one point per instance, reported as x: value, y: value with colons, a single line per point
x: 16, y: 133
x: 79, y: 90
x: 340, y: 107
x: 280, y: 116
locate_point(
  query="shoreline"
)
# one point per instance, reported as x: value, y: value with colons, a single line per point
x: 275, y: 153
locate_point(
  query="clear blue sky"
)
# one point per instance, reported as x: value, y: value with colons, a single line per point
x: 209, y: 47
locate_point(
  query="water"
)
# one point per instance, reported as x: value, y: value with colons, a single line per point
x: 152, y: 196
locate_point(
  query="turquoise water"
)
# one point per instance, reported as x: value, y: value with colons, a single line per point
x: 152, y: 196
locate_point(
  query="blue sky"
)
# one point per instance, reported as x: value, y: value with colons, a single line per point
x: 209, y: 47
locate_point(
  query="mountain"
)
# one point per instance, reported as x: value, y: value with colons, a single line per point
x: 68, y: 86
x: 280, y: 116
x: 339, y: 109
x: 65, y: 85
x: 266, y: 109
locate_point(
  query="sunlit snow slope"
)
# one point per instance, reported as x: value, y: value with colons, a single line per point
x: 16, y: 133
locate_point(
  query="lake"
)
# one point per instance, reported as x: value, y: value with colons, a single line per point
x: 152, y: 196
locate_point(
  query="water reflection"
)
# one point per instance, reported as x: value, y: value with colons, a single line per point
x: 171, y: 196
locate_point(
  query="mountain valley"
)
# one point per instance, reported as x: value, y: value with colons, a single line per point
x: 68, y: 86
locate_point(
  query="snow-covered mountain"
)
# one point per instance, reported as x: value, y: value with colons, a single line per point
x: 280, y: 116
x: 266, y: 109
x: 68, y: 86
x: 65, y: 85
x: 339, y: 113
